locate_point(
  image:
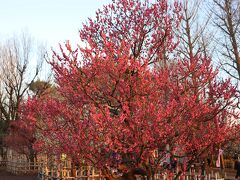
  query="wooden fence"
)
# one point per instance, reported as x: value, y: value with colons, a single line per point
x: 83, y: 173
x: 62, y: 172
x: 21, y: 167
x: 88, y: 173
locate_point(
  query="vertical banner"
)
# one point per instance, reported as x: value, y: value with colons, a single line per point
x: 218, y: 162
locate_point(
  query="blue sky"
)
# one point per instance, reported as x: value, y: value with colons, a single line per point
x: 49, y: 21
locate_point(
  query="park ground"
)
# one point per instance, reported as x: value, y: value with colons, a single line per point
x: 7, y: 176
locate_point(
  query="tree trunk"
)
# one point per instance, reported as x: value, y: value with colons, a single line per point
x: 32, y: 157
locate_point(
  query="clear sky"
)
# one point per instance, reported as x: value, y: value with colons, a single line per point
x: 49, y: 21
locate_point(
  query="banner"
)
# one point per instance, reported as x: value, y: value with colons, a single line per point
x: 218, y: 162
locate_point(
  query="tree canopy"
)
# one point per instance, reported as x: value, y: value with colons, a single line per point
x: 127, y: 93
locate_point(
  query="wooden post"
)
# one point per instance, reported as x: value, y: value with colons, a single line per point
x: 222, y: 159
x: 74, y: 173
x: 225, y: 175
x: 46, y: 171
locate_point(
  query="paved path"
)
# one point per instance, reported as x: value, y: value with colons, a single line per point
x: 7, y: 176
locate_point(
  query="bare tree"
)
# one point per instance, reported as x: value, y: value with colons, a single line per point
x: 227, y: 20
x: 17, y: 72
x: 194, y: 36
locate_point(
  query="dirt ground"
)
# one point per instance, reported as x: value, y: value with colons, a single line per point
x: 7, y: 176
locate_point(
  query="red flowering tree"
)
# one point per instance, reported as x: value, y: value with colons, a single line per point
x: 126, y: 95
x: 21, y: 139
x: 22, y: 133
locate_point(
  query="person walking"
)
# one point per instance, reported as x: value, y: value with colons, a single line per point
x: 237, y: 167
